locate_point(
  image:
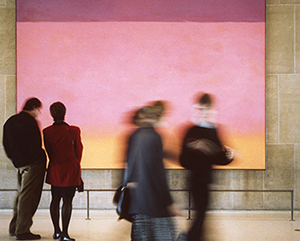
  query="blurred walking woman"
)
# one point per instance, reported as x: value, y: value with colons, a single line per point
x: 64, y: 148
x: 151, y: 205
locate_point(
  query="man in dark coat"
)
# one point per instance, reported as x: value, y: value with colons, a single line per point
x: 201, y: 149
x: 23, y: 145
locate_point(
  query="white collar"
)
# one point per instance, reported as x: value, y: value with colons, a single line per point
x: 206, y: 124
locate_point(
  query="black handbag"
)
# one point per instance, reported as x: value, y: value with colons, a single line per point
x: 122, y: 200
x: 117, y: 195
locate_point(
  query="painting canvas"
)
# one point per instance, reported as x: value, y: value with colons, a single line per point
x: 104, y: 59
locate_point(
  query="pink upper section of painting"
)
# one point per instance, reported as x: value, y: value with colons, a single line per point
x: 137, y: 10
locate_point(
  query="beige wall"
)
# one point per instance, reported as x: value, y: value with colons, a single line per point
x: 283, y: 122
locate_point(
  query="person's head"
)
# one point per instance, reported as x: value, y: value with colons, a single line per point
x: 149, y: 114
x: 32, y: 103
x: 205, y: 100
x: 33, y: 106
x: 204, y: 106
x: 58, y: 111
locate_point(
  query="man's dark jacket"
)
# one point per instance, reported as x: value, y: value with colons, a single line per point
x: 22, y: 140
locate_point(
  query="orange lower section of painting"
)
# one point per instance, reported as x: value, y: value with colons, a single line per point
x: 109, y: 152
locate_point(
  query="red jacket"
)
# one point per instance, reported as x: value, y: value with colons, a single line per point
x: 64, y: 166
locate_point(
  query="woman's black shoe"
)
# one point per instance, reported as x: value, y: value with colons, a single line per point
x: 56, y: 235
x: 66, y: 239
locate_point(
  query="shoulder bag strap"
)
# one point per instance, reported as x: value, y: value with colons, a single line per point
x: 73, y: 144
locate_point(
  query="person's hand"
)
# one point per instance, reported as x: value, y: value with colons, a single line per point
x: 174, y: 210
x: 198, y: 145
x: 205, y: 146
x: 132, y: 184
x: 229, y: 153
x: 193, y: 144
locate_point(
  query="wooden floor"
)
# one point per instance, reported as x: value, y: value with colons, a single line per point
x: 220, y: 226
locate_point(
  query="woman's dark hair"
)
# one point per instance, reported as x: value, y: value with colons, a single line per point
x: 32, y: 103
x: 58, y: 111
x: 205, y: 99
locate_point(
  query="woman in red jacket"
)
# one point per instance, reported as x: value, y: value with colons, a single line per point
x: 64, y: 148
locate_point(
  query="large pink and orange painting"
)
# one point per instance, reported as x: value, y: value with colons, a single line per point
x: 104, y: 59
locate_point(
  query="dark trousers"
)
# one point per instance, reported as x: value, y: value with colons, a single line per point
x: 30, y: 184
x: 200, y: 197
